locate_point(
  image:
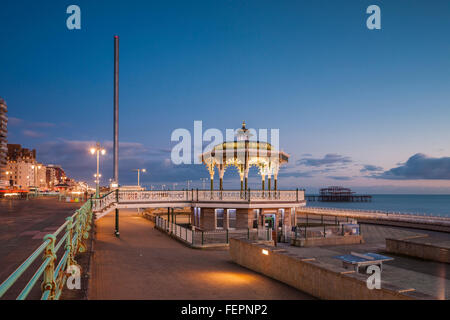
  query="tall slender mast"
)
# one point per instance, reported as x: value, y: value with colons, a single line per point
x: 116, y: 110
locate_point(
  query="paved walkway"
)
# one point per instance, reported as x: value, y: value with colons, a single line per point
x: 147, y: 264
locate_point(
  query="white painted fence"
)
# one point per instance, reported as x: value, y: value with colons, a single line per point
x: 205, y: 238
x: 374, y: 214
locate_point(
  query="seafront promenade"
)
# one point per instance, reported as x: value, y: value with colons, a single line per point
x: 144, y: 263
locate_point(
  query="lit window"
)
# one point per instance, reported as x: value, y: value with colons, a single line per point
x: 231, y: 213
x: 219, y: 218
x: 255, y: 218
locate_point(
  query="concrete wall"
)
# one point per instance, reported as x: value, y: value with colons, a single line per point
x: 316, y: 278
x: 419, y: 250
x: 332, y: 241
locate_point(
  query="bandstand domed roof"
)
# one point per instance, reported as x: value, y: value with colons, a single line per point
x: 243, y: 144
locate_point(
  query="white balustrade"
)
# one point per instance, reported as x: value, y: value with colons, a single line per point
x: 196, y: 196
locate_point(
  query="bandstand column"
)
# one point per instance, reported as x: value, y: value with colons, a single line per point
x: 221, y: 173
x: 263, y: 177
x: 275, y: 180
x: 268, y: 182
x: 211, y: 174
x: 246, y: 179
x: 275, y: 177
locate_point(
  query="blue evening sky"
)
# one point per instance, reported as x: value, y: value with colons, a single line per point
x: 362, y: 108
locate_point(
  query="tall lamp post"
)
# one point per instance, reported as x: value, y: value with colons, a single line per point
x: 97, y: 149
x: 97, y: 182
x: 139, y: 174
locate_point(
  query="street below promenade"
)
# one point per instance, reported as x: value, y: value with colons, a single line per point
x: 144, y: 263
x: 23, y: 224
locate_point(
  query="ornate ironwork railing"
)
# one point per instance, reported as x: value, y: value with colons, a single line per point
x: 192, y: 195
x: 105, y: 201
x: 52, y: 271
x: 143, y: 196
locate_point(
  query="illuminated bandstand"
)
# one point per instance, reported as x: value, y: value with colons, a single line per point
x: 243, y: 153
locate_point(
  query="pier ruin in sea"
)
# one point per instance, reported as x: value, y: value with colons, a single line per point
x: 338, y: 194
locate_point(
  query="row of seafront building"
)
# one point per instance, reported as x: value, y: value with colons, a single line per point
x: 24, y: 171
x: 19, y: 167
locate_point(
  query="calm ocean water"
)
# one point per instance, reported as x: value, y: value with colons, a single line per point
x: 424, y: 204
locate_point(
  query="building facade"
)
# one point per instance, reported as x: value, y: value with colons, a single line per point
x: 3, y: 143
x: 20, y: 174
x: 55, y: 175
x: 22, y: 169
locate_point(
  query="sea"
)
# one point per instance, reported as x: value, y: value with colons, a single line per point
x: 436, y: 205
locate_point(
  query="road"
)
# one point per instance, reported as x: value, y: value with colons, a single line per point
x: 23, y: 224
x: 147, y: 264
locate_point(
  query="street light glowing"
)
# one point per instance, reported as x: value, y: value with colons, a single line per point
x: 97, y: 149
x: 143, y: 170
x: 266, y: 252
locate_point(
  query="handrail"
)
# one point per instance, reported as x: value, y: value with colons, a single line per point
x: 105, y: 195
x: 373, y: 213
x: 54, y: 275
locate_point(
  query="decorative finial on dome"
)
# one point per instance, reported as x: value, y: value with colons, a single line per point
x: 243, y: 134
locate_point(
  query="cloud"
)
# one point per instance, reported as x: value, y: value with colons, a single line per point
x: 329, y: 159
x: 33, y: 134
x: 79, y: 164
x: 297, y: 174
x: 304, y: 174
x: 42, y: 124
x: 370, y: 168
x: 419, y: 166
x: 340, y: 178
x: 13, y: 121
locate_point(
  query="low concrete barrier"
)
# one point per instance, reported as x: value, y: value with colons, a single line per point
x: 424, y: 251
x: 332, y: 241
x: 313, y: 277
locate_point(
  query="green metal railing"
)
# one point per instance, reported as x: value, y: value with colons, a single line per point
x: 53, y: 272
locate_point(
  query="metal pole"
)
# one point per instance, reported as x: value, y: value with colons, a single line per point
x: 97, y: 187
x: 139, y: 171
x: 116, y: 110
x: 117, y: 215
